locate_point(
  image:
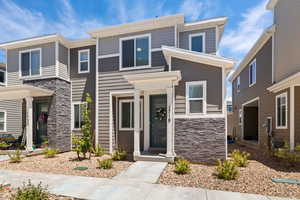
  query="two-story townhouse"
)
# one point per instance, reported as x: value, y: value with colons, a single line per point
x: 265, y: 86
x: 158, y: 86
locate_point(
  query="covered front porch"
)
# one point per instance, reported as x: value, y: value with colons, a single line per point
x: 143, y: 118
x: 34, y: 104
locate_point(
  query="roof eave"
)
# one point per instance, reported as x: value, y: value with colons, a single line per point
x: 266, y: 35
x: 197, y: 57
x: 271, y: 4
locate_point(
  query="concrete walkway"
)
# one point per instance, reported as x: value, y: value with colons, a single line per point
x: 142, y: 171
x: 109, y: 189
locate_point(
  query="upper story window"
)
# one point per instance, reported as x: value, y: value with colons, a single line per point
x: 78, y: 109
x: 238, y: 84
x: 197, y: 42
x: 30, y: 62
x: 196, y: 97
x: 126, y: 115
x: 240, y: 117
x: 252, y: 73
x: 84, y: 61
x: 2, y: 121
x: 135, y: 52
x: 2, y: 77
x: 281, y: 111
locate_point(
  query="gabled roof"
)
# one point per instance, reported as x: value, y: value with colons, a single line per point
x: 271, y: 4
x: 148, y: 24
x: 266, y: 35
x: 193, y: 56
x: 46, y: 39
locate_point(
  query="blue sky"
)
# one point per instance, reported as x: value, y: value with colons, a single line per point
x: 71, y: 18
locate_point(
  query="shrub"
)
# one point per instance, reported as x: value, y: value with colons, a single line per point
x: 105, y: 164
x: 291, y: 158
x: 240, y: 158
x: 31, y: 192
x: 15, y: 157
x: 50, y: 152
x: 227, y: 170
x: 4, y: 146
x: 98, y: 151
x: 119, y: 155
x: 297, y: 148
x: 182, y: 167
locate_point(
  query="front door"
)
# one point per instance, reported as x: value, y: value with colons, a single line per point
x: 41, y: 117
x: 158, y: 121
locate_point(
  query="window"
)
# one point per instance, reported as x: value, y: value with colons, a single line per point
x: 238, y: 84
x: 78, y: 115
x: 2, y: 77
x: 281, y: 111
x: 197, y: 42
x: 229, y: 108
x: 84, y: 61
x: 269, y: 126
x: 196, y: 97
x: 126, y: 114
x: 2, y: 121
x: 240, y: 117
x: 30, y: 61
x: 135, y: 52
x: 252, y: 73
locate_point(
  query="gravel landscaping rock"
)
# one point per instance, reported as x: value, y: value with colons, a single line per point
x: 255, y: 179
x: 65, y: 163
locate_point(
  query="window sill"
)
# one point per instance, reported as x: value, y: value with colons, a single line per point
x: 30, y: 77
x: 128, y: 129
x: 252, y: 84
x: 76, y: 129
x: 83, y: 72
x: 134, y: 68
x: 281, y: 127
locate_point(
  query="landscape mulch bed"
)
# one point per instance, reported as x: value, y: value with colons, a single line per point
x: 65, y: 163
x: 254, y: 179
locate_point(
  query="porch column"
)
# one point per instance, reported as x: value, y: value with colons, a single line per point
x: 170, y: 121
x: 136, y: 123
x: 292, y: 118
x: 29, y: 125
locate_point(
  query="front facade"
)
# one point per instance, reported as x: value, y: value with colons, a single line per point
x: 158, y: 86
x: 265, y: 87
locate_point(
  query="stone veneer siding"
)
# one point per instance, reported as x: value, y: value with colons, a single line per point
x: 200, y: 140
x: 59, y: 119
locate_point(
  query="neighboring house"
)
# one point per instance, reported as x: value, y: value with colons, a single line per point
x: 265, y: 85
x: 158, y: 87
x: 229, y: 119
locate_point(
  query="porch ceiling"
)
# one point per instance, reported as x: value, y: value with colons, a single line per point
x: 23, y: 91
x: 154, y: 81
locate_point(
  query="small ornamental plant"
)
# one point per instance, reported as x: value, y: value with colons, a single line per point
x: 31, y: 192
x: 240, y: 158
x: 227, y: 170
x: 182, y: 166
x: 119, y: 155
x: 105, y: 164
x: 50, y: 152
x: 15, y: 157
x: 98, y: 151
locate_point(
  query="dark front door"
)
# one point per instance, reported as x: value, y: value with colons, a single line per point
x: 158, y: 121
x: 41, y: 117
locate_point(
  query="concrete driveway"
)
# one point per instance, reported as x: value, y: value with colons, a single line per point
x: 121, y: 189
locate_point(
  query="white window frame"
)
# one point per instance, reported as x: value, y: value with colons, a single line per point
x: 240, y: 117
x: 204, y: 99
x: 121, y: 52
x: 5, y: 121
x: 195, y: 35
x: 253, y: 63
x: 80, y: 61
x: 4, y: 83
x: 132, y: 104
x: 73, y: 114
x: 286, y: 111
x: 20, y: 63
x: 238, y: 84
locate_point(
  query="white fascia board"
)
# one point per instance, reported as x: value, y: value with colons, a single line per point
x: 293, y: 80
x: 209, y: 23
x: 192, y: 56
x: 271, y: 4
x: 266, y: 35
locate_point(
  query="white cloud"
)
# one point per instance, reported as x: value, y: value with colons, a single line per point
x: 238, y: 41
x: 17, y: 22
x: 195, y: 9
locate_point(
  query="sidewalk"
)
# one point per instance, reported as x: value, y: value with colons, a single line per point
x: 109, y: 189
